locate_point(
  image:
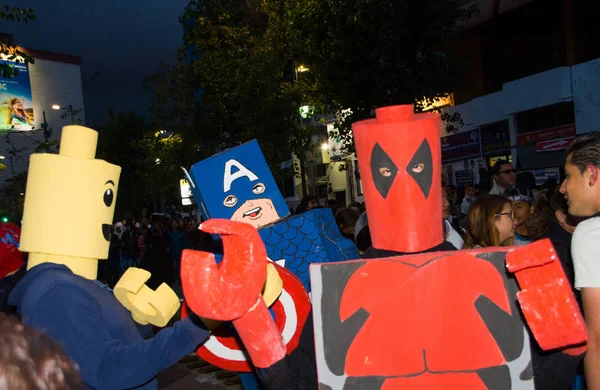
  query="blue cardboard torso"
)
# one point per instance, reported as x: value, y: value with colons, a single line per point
x: 310, y: 237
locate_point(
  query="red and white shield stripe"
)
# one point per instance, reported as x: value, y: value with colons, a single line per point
x: 223, y: 349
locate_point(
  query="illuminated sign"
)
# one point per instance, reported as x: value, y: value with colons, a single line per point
x: 16, y: 106
x: 186, y: 192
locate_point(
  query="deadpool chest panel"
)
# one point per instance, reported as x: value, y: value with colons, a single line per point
x: 434, y: 320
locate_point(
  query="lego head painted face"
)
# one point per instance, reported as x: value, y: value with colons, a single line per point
x: 399, y: 159
x: 238, y: 185
x: 75, y: 190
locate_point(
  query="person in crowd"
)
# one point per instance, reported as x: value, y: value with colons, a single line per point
x: 468, y: 199
x: 522, y: 204
x: 307, y: 203
x: 346, y: 219
x: 129, y: 240
x: 505, y: 176
x: 141, y: 244
x: 192, y: 233
x: 114, y: 258
x: 490, y: 222
x: 31, y: 360
x: 552, y: 220
x: 581, y: 188
x: 357, y: 207
x: 454, y: 235
x: 453, y: 196
x: 362, y: 235
x: 179, y: 242
x: 550, y: 184
x: 158, y: 253
x: 144, y: 221
x: 484, y: 182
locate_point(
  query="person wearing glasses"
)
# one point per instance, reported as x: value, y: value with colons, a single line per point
x: 490, y: 222
x: 505, y: 177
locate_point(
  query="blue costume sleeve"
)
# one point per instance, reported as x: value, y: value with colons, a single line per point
x: 106, y: 362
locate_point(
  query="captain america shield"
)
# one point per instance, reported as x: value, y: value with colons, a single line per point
x: 224, y: 349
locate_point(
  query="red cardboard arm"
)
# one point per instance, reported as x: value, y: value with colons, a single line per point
x: 546, y: 297
x: 231, y: 290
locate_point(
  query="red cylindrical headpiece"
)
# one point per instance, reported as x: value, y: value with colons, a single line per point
x: 399, y: 158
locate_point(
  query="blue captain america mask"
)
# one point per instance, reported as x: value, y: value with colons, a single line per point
x: 237, y: 184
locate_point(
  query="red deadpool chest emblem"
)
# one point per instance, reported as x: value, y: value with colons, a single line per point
x: 418, y: 293
x: 428, y: 320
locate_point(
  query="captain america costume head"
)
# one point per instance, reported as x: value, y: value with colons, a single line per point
x: 399, y: 157
x: 237, y: 184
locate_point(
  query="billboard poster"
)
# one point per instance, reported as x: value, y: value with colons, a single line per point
x: 16, y: 107
x: 495, y: 139
x: 186, y: 192
x: 461, y: 146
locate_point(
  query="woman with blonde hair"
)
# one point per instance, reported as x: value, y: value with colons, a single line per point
x: 18, y: 115
x: 490, y: 222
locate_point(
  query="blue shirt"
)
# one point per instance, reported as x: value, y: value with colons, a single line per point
x: 97, y: 331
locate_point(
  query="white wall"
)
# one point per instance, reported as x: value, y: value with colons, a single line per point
x: 51, y: 83
x: 586, y: 96
x: 579, y: 83
x: 539, y: 90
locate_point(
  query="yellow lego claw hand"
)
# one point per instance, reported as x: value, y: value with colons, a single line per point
x: 156, y: 307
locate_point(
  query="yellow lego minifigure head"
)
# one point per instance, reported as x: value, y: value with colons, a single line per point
x: 75, y: 191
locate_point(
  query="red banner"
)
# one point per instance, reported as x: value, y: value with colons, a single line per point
x: 555, y: 144
x: 547, y: 134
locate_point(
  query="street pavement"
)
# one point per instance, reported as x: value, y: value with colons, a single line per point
x: 192, y: 373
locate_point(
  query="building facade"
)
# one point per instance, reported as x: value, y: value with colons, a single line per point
x: 531, y: 83
x: 50, y: 91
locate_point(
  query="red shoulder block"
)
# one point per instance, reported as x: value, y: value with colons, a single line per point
x: 546, y: 297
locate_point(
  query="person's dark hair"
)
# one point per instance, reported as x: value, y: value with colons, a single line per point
x: 363, y: 239
x: 496, y: 167
x: 346, y: 217
x: 356, y: 206
x: 557, y: 201
x: 304, y: 203
x: 584, y: 151
x: 549, y: 184
x: 31, y: 360
x: 546, y: 206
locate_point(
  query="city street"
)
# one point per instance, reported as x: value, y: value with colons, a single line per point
x: 192, y: 373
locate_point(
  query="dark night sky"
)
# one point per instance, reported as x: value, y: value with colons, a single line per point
x: 123, y: 40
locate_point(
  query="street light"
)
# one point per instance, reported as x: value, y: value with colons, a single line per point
x: 2, y: 157
x: 69, y: 109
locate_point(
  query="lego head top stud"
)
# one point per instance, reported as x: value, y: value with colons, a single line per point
x: 76, y: 191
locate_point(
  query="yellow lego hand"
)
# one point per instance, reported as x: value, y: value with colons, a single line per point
x: 156, y: 307
x: 273, y: 286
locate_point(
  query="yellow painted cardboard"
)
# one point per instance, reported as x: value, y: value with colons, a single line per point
x: 156, y: 307
x: 69, y: 204
x: 273, y: 286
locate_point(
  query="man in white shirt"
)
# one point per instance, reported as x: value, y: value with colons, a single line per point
x: 581, y: 188
x: 505, y: 176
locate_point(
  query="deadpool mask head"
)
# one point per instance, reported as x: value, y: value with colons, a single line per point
x: 400, y: 164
